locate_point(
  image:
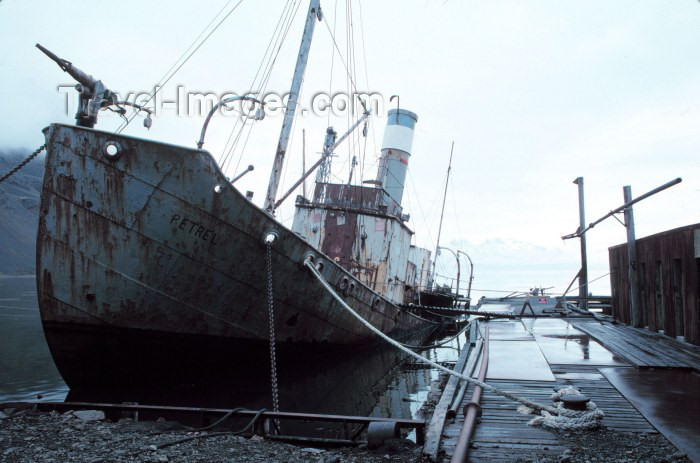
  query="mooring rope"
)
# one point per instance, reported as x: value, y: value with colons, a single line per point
x: 585, y: 419
x: 441, y: 343
x: 557, y: 411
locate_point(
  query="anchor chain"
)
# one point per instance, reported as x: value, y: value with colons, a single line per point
x: 271, y: 313
x: 23, y: 163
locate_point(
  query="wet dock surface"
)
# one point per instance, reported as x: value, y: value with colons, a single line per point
x: 675, y: 412
x: 529, y: 357
x: 642, y: 348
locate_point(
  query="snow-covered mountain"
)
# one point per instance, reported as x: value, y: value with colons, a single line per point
x: 504, y: 265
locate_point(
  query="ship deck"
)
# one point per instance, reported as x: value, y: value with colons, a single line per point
x: 645, y: 383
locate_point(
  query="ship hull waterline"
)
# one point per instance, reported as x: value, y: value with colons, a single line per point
x: 153, y: 243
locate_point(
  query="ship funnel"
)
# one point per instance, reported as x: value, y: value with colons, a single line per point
x: 396, y: 149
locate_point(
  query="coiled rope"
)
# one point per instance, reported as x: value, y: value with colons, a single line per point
x: 568, y: 420
x: 563, y: 413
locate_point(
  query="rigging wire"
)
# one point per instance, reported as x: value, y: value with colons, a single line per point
x: 160, y: 85
x: 230, y: 140
x: 454, y: 206
x: 340, y: 55
x: 349, y: 46
x: 277, y: 40
x: 330, y: 83
x: 420, y: 208
x: 283, y: 37
x: 364, y: 56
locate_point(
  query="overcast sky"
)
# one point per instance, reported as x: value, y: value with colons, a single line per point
x: 533, y: 93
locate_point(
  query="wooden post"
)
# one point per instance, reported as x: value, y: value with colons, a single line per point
x: 583, y: 274
x: 635, y: 314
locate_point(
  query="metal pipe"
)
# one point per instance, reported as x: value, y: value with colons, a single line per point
x: 224, y: 102
x: 418, y: 425
x: 471, y: 273
x: 624, y: 206
x: 583, y: 273
x: 327, y: 151
x: 635, y: 314
x: 468, y: 370
x: 237, y: 177
x: 472, y: 409
x: 458, y: 268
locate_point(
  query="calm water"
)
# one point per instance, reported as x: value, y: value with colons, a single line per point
x: 377, y: 386
x: 26, y: 367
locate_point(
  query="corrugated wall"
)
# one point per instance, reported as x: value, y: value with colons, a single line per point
x: 668, y: 271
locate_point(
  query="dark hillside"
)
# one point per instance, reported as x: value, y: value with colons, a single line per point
x: 19, y: 207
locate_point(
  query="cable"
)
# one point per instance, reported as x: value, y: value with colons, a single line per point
x: 278, y: 38
x: 330, y: 83
x: 431, y: 346
x: 488, y: 387
x: 223, y: 156
x: 591, y: 281
x: 160, y: 85
x: 347, y: 71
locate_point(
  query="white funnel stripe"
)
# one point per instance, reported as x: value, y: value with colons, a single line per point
x: 398, y: 137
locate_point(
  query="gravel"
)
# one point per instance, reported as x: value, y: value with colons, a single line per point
x: 83, y: 437
x: 55, y: 437
x: 612, y: 446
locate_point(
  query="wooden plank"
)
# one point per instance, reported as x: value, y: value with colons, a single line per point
x: 623, y: 350
x: 503, y: 433
x: 656, y: 346
x: 654, y: 349
x: 437, y: 422
x: 684, y: 346
x: 680, y: 352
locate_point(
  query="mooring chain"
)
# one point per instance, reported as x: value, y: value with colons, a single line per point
x: 271, y: 313
x: 23, y: 163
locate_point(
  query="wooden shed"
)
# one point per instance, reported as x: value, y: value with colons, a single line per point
x: 668, y: 273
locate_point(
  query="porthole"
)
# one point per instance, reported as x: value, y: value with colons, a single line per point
x: 112, y: 150
x: 218, y: 188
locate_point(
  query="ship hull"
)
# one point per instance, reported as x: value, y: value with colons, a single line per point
x: 153, y: 243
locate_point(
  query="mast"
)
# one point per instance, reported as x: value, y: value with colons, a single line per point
x: 313, y: 14
x: 442, y: 214
x: 303, y: 160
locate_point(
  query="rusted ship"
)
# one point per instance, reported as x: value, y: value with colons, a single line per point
x: 152, y: 266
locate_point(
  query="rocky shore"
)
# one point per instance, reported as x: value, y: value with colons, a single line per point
x: 606, y: 445
x: 85, y: 436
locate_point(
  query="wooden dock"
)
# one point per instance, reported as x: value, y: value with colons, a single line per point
x: 642, y: 348
x: 503, y: 433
